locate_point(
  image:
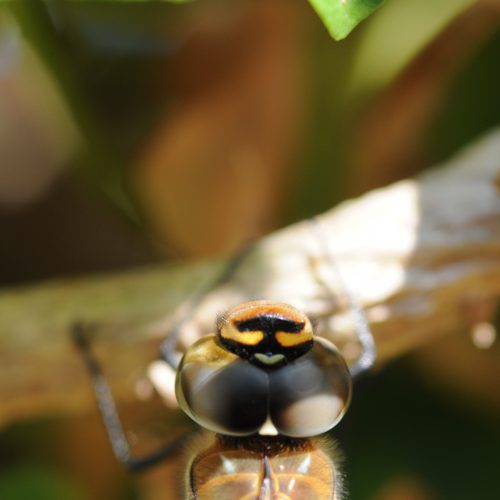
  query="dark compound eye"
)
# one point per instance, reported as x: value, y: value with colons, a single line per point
x: 221, y: 391
x: 310, y: 395
x: 228, y: 395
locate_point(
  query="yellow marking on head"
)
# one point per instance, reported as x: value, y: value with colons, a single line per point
x: 230, y: 332
x: 230, y: 324
x: 287, y: 339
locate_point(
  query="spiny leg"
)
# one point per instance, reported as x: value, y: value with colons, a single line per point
x: 104, y: 397
x: 109, y: 413
x: 365, y: 337
x: 168, y: 346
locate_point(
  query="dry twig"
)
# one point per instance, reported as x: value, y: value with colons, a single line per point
x: 412, y: 253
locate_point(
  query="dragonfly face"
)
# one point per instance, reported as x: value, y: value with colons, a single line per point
x: 265, y: 333
x: 264, y: 372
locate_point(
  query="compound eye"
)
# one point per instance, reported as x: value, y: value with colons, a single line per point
x: 310, y: 396
x: 220, y: 391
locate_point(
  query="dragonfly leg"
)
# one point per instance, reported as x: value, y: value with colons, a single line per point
x: 363, y: 332
x: 168, y: 348
x: 109, y: 413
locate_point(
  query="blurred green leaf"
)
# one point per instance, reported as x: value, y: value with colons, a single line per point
x: 394, y: 37
x: 342, y: 16
x: 170, y: 1
x: 37, y: 483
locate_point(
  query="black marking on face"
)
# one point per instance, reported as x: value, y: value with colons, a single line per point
x: 270, y: 323
x: 268, y: 334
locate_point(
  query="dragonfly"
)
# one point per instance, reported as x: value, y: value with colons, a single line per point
x: 266, y: 390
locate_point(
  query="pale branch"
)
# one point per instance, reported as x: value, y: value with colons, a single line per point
x: 419, y: 256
